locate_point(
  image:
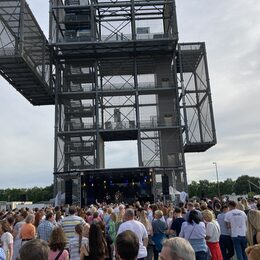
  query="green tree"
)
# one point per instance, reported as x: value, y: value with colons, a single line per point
x: 243, y: 185
x: 34, y: 194
x: 193, y: 189
x: 227, y: 186
x: 203, y: 190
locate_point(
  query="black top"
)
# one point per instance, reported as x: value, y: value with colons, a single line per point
x: 176, y: 225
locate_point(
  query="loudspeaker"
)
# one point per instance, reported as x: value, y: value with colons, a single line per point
x: 165, y: 185
x: 68, y: 192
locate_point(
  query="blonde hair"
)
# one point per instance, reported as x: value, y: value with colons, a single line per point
x: 109, y: 210
x: 253, y: 252
x: 240, y: 206
x: 159, y: 213
x: 208, y: 215
x: 113, y: 217
x: 143, y: 219
x: 253, y: 224
x: 245, y: 203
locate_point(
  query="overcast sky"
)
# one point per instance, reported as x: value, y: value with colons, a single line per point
x: 231, y: 32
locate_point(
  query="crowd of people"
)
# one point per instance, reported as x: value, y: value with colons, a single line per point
x: 206, y: 229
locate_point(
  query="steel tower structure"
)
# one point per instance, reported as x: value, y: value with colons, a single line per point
x: 116, y: 72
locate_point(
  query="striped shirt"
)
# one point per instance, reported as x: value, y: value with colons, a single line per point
x: 74, y: 247
x: 68, y: 224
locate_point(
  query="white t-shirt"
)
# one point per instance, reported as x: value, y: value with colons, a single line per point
x: 213, y: 231
x: 193, y: 231
x: 139, y: 229
x: 237, y: 219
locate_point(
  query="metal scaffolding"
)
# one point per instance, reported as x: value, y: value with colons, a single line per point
x: 24, y: 53
x: 118, y: 73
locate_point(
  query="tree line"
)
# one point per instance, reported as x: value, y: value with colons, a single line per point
x: 203, y: 188
x: 242, y: 185
x: 34, y: 194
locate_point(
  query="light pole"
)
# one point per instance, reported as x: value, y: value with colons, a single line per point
x: 216, y: 166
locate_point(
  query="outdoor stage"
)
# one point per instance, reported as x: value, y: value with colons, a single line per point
x: 118, y: 185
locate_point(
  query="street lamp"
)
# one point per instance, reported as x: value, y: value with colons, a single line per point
x: 216, y: 166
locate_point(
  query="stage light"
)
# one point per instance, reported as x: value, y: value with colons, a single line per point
x: 92, y: 184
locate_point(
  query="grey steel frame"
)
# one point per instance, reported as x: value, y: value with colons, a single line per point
x: 24, y: 53
x: 111, y: 78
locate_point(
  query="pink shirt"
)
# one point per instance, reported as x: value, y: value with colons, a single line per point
x: 63, y: 256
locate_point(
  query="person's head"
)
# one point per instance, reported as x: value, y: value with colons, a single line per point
x: 109, y: 211
x: 143, y: 215
x: 29, y: 219
x: 57, y: 239
x: 245, y: 203
x: 177, y: 248
x: 177, y: 212
x: 5, y: 227
x: 23, y: 214
x: 253, y: 252
x: 58, y: 215
x: 203, y: 205
x: 121, y: 208
x: 79, y: 229
x: 217, y: 206
x: 253, y: 224
x: 181, y: 204
x: 194, y: 217
x: 197, y: 205
x: 158, y: 214
x: 129, y: 214
x: 57, y: 208
x: 127, y: 245
x: 146, y: 206
x: 232, y: 204
x: 72, y: 210
x: 240, y: 206
x: 113, y: 216
x: 190, y: 206
x: 11, y: 220
x: 96, y: 237
x: 170, y: 213
x: 224, y: 208
x: 95, y: 214
x: 34, y: 249
x: 49, y: 216
x: 207, y: 215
